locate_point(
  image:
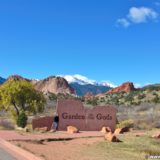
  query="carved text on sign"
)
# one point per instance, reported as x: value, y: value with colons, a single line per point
x: 99, y: 116
x: 76, y: 116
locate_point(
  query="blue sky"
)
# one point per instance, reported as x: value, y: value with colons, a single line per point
x: 116, y: 40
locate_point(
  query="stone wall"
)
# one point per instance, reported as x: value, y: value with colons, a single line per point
x: 42, y: 122
x: 73, y: 113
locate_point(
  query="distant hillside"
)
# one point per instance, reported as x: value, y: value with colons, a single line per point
x: 81, y: 90
x: 2, y: 80
x: 147, y: 94
x: 151, y: 87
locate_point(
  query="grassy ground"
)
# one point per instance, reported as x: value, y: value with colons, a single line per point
x: 131, y: 148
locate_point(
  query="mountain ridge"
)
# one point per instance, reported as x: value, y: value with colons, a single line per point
x: 52, y: 84
x: 80, y: 84
x: 81, y: 90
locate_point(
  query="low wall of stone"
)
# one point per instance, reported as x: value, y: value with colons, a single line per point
x: 42, y: 122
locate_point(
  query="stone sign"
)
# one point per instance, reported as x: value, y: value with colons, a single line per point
x: 73, y: 113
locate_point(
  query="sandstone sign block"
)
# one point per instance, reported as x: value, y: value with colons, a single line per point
x: 73, y: 113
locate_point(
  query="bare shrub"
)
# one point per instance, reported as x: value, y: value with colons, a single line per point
x: 145, y: 116
x: 6, y: 124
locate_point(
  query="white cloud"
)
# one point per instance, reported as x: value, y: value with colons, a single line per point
x: 138, y: 15
x: 124, y: 22
x: 142, y: 14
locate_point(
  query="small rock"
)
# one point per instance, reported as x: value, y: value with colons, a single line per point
x: 72, y: 129
x: 121, y: 130
x: 111, y: 137
x: 106, y: 129
x: 156, y: 136
x: 26, y: 129
x: 22, y: 129
x: 41, y: 130
x: 52, y: 130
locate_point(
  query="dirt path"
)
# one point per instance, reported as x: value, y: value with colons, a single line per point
x: 13, y: 135
x: 59, y: 150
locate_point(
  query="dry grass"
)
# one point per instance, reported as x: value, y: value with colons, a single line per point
x: 145, y: 116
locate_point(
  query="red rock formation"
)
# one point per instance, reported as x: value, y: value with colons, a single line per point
x: 88, y: 95
x: 51, y: 84
x: 125, y: 87
x: 55, y: 85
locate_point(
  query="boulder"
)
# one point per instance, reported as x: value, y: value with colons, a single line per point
x: 156, y: 136
x: 52, y: 130
x: 26, y: 129
x: 41, y: 130
x: 121, y: 130
x: 111, y: 137
x: 22, y: 129
x: 106, y: 130
x: 72, y: 129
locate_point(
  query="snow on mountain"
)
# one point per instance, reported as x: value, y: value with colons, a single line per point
x: 79, y: 79
x: 82, y: 80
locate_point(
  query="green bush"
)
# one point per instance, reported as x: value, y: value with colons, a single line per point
x: 22, y: 120
x: 52, y: 97
x: 156, y: 99
x: 93, y: 101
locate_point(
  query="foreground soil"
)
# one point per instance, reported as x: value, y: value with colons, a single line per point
x: 134, y: 145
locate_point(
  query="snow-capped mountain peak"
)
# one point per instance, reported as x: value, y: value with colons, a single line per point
x: 79, y: 79
x: 82, y: 80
